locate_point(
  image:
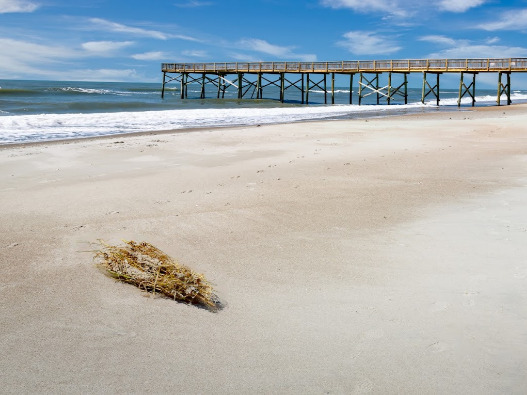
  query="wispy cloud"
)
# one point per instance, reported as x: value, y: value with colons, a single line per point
x: 438, y: 39
x: 368, y: 43
x: 195, y: 53
x: 459, y: 5
x: 470, y: 49
x: 15, y: 51
x: 510, y: 20
x: 105, y: 48
x: 8, y: 6
x: 480, y: 51
x: 360, y: 5
x: 390, y: 7
x: 106, y: 25
x: 402, y: 8
x: 110, y: 26
x: 281, y: 52
x: 17, y: 60
x: 154, y: 55
x: 193, y: 4
x: 186, y: 38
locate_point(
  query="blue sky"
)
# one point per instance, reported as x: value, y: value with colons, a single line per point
x: 128, y: 40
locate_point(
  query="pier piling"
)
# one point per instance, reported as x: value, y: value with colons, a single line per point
x: 313, y: 75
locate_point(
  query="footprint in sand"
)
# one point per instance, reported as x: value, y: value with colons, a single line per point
x: 437, y: 347
x: 469, y: 298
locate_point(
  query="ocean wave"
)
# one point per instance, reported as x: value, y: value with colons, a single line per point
x: 18, y: 92
x: 329, y: 91
x: 46, y: 127
x: 89, y: 91
x: 487, y: 99
x: 71, y: 90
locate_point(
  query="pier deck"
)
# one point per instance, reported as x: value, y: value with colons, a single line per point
x: 369, y: 71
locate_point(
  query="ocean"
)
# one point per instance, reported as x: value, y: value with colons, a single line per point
x: 32, y: 111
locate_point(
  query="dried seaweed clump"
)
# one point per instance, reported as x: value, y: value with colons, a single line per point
x: 149, y: 268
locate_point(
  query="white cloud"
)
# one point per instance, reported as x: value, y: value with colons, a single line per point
x: 492, y: 40
x: 278, y: 51
x: 17, y: 51
x: 103, y: 24
x: 186, y: 38
x: 265, y: 47
x: 402, y: 8
x: 104, y: 48
x: 368, y: 43
x: 480, y: 51
x: 361, y: 5
x: 195, y: 54
x: 438, y: 39
x: 119, y: 28
x: 510, y: 20
x: 7, y: 6
x: 17, y: 60
x: 459, y: 5
x: 154, y: 55
x: 470, y: 49
x: 193, y: 4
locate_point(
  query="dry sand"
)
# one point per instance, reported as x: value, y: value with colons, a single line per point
x: 366, y: 256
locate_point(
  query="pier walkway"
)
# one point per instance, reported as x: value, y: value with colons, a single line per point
x: 306, y: 76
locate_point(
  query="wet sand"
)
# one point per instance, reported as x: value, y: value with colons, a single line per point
x: 363, y: 256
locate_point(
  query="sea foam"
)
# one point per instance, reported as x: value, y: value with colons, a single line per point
x: 47, y: 127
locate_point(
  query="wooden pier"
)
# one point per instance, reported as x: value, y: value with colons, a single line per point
x: 307, y: 76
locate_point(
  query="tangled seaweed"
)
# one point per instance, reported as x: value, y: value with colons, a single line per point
x: 150, y: 269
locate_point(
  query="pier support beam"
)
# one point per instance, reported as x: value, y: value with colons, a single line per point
x: 302, y: 87
x: 240, y: 85
x: 427, y: 88
x: 259, y: 85
x: 314, y: 84
x: 351, y: 87
x: 332, y: 88
x: 286, y: 84
x: 183, y: 88
x: 220, y: 84
x: 464, y: 89
x: 504, y: 88
x: 282, y: 87
x: 371, y: 84
x: 167, y: 79
x: 259, y: 90
x: 164, y: 83
x: 401, y: 90
x: 203, y: 82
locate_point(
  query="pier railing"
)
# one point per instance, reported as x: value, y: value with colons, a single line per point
x: 358, y: 66
x: 312, y: 76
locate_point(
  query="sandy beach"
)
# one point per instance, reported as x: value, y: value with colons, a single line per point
x: 364, y: 256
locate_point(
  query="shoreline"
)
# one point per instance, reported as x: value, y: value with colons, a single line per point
x: 375, y: 255
x: 361, y: 117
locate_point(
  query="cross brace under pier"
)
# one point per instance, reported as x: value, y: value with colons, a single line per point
x: 504, y: 88
x: 389, y: 91
x: 306, y: 83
